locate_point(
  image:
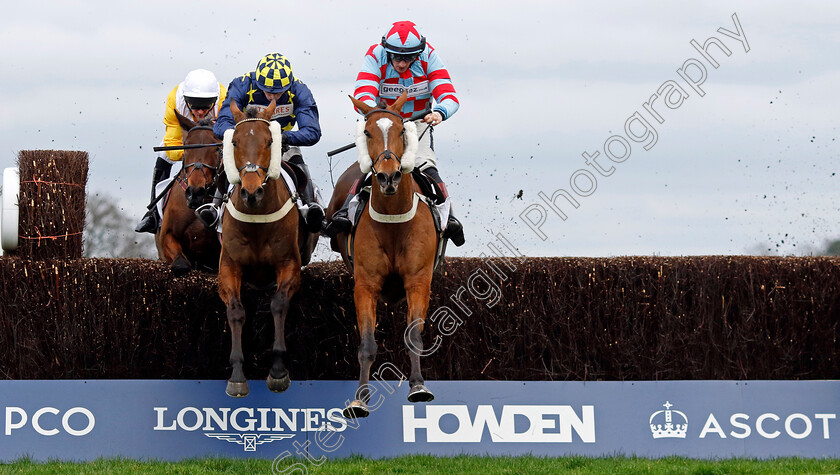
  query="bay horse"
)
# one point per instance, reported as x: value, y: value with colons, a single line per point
x: 263, y: 238
x: 183, y: 240
x: 395, y: 241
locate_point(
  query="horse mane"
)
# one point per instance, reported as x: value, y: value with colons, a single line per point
x: 251, y: 111
x: 205, y: 122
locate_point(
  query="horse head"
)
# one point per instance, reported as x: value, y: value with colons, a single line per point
x: 200, y: 164
x: 252, y: 152
x: 387, y: 145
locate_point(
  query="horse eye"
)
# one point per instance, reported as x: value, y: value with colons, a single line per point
x: 270, y: 141
x: 367, y: 134
x: 233, y: 142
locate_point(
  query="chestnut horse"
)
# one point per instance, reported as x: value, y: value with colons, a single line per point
x: 182, y: 240
x: 395, y: 241
x: 263, y: 239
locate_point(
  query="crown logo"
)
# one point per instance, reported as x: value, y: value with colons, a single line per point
x: 666, y: 428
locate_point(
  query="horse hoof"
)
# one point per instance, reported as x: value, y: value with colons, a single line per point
x: 237, y: 389
x: 180, y: 267
x: 355, y: 410
x: 278, y: 385
x: 420, y: 393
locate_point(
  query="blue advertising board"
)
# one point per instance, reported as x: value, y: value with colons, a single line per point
x: 172, y: 420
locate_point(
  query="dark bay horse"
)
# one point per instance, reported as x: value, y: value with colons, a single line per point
x: 182, y: 240
x: 263, y: 238
x: 395, y: 241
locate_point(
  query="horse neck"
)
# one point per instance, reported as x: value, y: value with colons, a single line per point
x: 398, y: 203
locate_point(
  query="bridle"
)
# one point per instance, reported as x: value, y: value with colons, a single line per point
x: 253, y: 167
x: 386, y: 154
x: 192, y: 167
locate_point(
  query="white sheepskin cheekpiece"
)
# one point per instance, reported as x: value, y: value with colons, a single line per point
x: 409, y: 154
x: 228, y: 159
x: 276, y: 164
x: 411, y: 145
x: 365, y: 162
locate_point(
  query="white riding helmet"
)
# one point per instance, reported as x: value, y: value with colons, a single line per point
x: 201, y: 89
x: 201, y: 83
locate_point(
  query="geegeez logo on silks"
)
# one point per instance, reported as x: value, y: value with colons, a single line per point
x: 251, y: 426
x: 544, y: 424
x: 674, y: 424
x: 50, y: 421
x: 393, y: 91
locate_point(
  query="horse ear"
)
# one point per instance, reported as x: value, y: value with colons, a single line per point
x: 268, y: 111
x: 238, y: 115
x: 398, y: 105
x: 186, y: 123
x: 364, y: 108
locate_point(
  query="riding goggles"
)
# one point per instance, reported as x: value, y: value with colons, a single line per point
x: 203, y: 103
x: 406, y: 58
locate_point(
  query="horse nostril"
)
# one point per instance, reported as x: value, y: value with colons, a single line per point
x: 382, y: 178
x: 395, y: 178
x: 188, y: 194
x: 199, y: 193
x: 259, y: 193
x: 243, y: 194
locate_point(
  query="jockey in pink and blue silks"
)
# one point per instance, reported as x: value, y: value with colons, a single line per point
x: 405, y: 62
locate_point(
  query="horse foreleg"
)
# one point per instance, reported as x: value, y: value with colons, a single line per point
x: 288, y: 281
x: 417, y: 295
x: 230, y: 282
x: 174, y: 254
x: 365, y: 298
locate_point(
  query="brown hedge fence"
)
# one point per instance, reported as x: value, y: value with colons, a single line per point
x: 626, y: 318
x: 52, y: 203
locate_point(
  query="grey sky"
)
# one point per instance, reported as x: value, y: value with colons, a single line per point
x: 751, y: 163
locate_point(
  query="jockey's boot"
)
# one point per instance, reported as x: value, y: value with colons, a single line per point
x: 340, y: 221
x: 454, y: 230
x: 150, y: 221
x: 208, y: 213
x: 314, y: 215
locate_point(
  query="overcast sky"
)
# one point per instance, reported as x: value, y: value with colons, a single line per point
x: 749, y: 165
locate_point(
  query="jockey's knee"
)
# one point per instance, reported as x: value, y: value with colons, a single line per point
x: 434, y: 173
x: 294, y: 155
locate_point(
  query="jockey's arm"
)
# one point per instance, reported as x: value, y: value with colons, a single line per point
x: 173, y: 134
x: 225, y: 120
x: 446, y: 102
x: 308, y: 131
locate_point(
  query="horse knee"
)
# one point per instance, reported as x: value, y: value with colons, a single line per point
x: 181, y: 266
x: 236, y: 313
x: 367, y: 349
x: 279, y: 303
